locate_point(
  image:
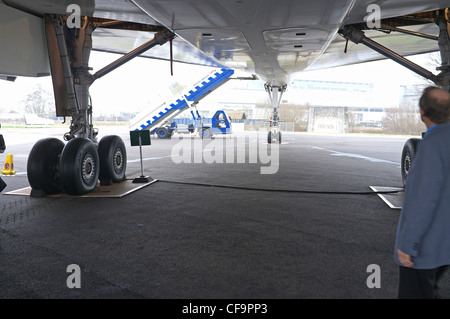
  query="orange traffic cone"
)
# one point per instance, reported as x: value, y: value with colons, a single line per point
x: 8, y: 169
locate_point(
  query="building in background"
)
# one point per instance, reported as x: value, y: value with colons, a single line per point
x: 330, y: 100
x: 331, y: 106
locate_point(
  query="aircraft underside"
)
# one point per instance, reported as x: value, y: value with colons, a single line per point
x: 76, y: 166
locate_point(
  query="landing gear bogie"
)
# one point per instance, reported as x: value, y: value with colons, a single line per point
x: 75, y: 168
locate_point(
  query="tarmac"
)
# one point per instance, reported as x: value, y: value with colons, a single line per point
x: 227, y: 218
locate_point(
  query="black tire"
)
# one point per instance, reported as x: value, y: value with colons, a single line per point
x: 269, y: 137
x: 162, y: 132
x: 408, y: 154
x: 43, y: 166
x: 79, y: 166
x: 279, y: 137
x: 113, y: 159
x: 2, y: 143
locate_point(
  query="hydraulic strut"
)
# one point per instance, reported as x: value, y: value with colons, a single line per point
x: 442, y: 20
x: 69, y: 50
x: 160, y: 38
x: 358, y: 36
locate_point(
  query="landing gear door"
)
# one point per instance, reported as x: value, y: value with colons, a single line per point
x: 59, y: 84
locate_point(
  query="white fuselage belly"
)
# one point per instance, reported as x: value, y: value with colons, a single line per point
x: 270, y: 38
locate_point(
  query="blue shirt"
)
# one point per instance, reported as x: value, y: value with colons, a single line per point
x: 429, y: 129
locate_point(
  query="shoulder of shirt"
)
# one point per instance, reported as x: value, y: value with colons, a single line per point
x: 439, y: 128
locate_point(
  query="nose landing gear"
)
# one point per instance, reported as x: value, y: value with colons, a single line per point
x: 275, y: 95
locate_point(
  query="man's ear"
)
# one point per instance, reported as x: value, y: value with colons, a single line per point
x: 422, y: 112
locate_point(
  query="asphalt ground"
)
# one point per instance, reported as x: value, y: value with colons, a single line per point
x: 211, y: 230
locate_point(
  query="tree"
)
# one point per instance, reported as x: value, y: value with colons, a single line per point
x: 403, y: 120
x: 406, y: 118
x: 288, y: 113
x: 39, y: 101
x: 295, y: 114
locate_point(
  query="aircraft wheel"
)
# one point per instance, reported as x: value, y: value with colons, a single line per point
x: 43, y: 165
x: 269, y: 137
x: 113, y: 159
x: 79, y: 166
x: 408, y: 154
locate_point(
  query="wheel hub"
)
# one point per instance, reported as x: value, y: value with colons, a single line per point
x: 88, y: 168
x: 118, y: 161
x: 407, y: 164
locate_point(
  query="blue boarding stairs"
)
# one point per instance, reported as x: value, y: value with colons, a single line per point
x: 162, y: 115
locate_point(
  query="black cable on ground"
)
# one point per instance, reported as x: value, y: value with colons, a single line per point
x: 280, y: 190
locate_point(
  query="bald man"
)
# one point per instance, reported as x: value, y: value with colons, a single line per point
x: 422, y: 245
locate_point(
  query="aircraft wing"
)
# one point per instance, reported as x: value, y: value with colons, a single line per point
x: 271, y: 39
x: 124, y: 41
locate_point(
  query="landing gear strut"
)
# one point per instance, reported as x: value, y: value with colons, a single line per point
x: 275, y: 95
x: 77, y: 166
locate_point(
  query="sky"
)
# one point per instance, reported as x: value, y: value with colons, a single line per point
x: 386, y: 75
x: 129, y: 87
x: 141, y: 82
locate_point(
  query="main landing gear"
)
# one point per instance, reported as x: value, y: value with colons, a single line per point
x: 77, y: 166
